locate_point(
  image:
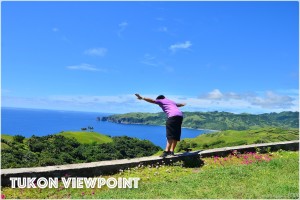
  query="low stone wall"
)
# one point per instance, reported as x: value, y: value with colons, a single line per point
x: 274, y: 146
x: 90, y: 169
x: 111, y: 167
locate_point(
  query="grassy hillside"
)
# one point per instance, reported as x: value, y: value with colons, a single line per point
x: 81, y: 136
x: 250, y: 176
x: 235, y: 138
x: 85, y: 137
x: 7, y: 138
x: 214, y: 120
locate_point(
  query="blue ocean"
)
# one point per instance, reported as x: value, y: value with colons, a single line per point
x: 28, y: 122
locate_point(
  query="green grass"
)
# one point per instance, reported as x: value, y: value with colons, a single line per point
x: 7, y: 137
x: 273, y: 179
x: 236, y: 138
x: 85, y: 137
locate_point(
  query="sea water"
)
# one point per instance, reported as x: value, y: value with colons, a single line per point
x: 40, y: 122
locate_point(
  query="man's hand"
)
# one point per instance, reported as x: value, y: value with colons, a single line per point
x: 145, y: 98
x: 181, y: 104
x: 139, y: 96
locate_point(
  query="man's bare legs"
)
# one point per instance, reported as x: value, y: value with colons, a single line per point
x: 170, y: 147
x: 171, y: 144
x: 174, y: 143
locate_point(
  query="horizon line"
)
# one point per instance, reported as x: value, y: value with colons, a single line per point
x: 112, y: 113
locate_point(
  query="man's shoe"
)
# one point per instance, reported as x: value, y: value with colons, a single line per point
x: 165, y: 154
x: 171, y: 153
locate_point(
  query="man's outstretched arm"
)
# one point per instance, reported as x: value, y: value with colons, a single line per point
x: 145, y: 98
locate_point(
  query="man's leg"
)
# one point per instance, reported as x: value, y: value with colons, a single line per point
x: 173, y: 145
x: 169, y: 144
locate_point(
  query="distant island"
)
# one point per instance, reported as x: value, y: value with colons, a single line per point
x: 213, y: 120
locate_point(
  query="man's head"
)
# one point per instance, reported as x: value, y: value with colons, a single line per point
x: 160, y: 97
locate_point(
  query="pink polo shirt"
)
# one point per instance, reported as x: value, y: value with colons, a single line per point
x: 169, y: 107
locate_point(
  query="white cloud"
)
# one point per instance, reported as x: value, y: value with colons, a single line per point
x: 160, y: 19
x: 150, y: 60
x: 123, y: 25
x: 157, y: 63
x: 122, y: 28
x: 163, y: 29
x: 84, y: 67
x: 273, y: 100
x: 178, y: 46
x: 96, y: 52
x: 268, y: 101
x: 215, y: 94
x: 230, y: 102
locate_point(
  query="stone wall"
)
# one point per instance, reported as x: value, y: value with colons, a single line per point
x: 111, y: 167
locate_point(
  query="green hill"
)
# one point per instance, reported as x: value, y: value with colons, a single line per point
x: 213, y: 120
x: 81, y: 136
x: 7, y: 138
x: 86, y: 137
x: 235, y: 138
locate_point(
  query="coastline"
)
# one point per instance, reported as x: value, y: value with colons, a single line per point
x: 200, y: 129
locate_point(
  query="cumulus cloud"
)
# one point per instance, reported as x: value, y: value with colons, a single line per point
x: 178, y: 46
x: 84, y: 67
x: 96, y: 52
x: 273, y: 100
x: 268, y: 100
x: 255, y: 102
x: 215, y: 94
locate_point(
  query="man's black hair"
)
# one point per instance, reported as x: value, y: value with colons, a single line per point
x: 160, y: 97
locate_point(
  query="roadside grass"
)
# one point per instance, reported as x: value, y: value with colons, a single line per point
x: 238, y: 176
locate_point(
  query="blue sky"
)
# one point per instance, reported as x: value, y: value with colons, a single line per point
x: 93, y: 56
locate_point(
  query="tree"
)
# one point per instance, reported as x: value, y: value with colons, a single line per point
x: 18, y: 138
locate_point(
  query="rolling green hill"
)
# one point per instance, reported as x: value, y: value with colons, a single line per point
x: 7, y: 138
x: 80, y: 136
x: 235, y: 138
x: 86, y: 137
x: 214, y: 120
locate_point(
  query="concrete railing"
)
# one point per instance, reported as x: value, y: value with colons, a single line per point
x: 111, y: 167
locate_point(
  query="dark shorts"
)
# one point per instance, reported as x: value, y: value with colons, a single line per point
x: 173, y: 127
